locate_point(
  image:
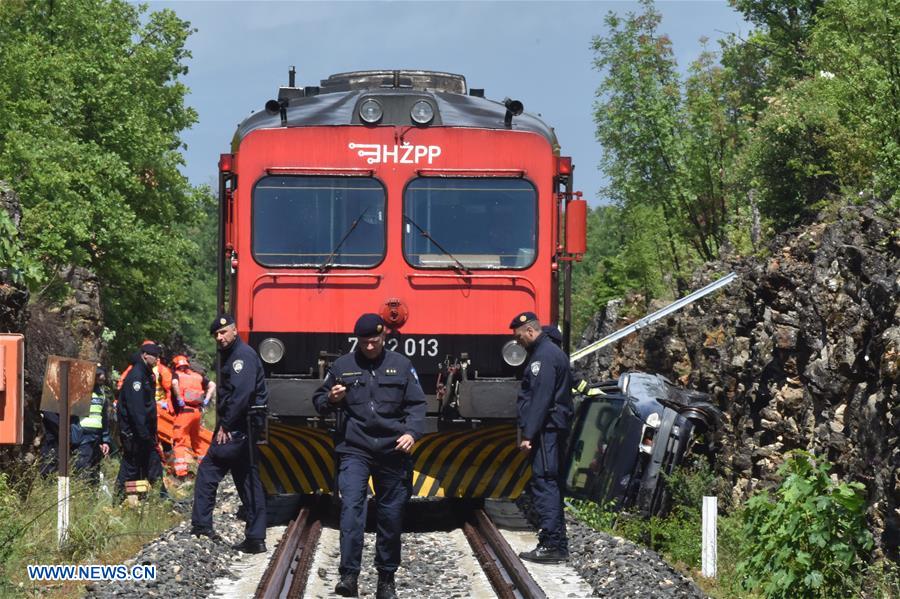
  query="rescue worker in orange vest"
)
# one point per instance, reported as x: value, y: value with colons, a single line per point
x: 196, y: 390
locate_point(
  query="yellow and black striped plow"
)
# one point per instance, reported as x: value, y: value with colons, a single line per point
x: 297, y: 459
x: 480, y: 462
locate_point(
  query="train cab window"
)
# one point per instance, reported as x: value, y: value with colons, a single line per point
x: 479, y: 222
x: 318, y: 221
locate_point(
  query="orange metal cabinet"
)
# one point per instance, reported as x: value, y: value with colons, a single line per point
x: 12, y: 387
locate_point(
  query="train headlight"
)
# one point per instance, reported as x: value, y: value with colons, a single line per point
x: 271, y: 350
x: 370, y: 111
x: 514, y: 354
x: 421, y: 112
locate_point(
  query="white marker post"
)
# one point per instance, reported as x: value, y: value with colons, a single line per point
x: 710, y: 550
x: 62, y: 488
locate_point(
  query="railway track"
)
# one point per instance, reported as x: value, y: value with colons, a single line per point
x: 288, y: 570
x: 506, y: 572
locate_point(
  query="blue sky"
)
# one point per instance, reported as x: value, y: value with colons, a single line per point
x: 537, y: 52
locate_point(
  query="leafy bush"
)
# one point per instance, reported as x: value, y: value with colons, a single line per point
x: 809, y: 539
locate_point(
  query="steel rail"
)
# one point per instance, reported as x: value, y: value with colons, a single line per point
x: 502, y: 584
x: 505, y: 571
x: 297, y: 545
x: 305, y: 553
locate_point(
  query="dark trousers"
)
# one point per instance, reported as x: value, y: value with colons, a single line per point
x: 547, y: 454
x: 88, y: 456
x: 392, y: 477
x: 233, y: 456
x: 140, y: 461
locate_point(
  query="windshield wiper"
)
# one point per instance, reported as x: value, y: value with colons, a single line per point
x: 325, y: 265
x: 462, y: 267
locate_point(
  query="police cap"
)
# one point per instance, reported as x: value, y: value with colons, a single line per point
x: 369, y: 325
x: 152, y: 349
x: 222, y: 320
x: 521, y: 319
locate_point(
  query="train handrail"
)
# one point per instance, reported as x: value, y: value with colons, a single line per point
x: 320, y: 170
x: 297, y: 275
x: 513, y: 277
x: 471, y: 172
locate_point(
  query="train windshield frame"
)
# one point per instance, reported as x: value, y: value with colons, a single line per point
x: 301, y: 221
x: 486, y: 223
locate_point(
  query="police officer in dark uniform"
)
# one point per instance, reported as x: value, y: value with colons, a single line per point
x: 381, y: 414
x: 137, y: 421
x: 242, y: 385
x: 545, y: 413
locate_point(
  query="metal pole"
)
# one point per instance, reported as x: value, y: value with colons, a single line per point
x: 651, y: 318
x: 220, y: 249
x: 567, y: 272
x: 62, y: 487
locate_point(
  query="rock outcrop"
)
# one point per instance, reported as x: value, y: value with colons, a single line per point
x: 801, y: 352
x: 71, y: 326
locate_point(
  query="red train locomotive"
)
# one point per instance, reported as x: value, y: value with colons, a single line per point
x: 409, y: 194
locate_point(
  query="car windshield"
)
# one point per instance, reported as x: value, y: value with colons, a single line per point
x: 318, y: 221
x: 476, y: 222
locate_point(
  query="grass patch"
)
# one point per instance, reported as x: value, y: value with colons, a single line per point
x: 102, y: 531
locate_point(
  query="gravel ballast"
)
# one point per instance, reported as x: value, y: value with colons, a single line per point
x: 186, y: 566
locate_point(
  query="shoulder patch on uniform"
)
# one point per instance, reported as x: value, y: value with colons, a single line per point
x: 415, y: 374
x: 237, y: 366
x: 535, y: 367
x: 136, y: 385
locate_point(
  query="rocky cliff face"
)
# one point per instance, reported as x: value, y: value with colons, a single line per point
x: 72, y: 327
x: 801, y: 352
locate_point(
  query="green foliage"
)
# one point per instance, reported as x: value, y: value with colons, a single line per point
x: 19, y: 267
x: 798, y: 115
x: 667, y: 144
x: 92, y: 108
x: 612, y: 265
x: 856, y: 45
x: 809, y: 539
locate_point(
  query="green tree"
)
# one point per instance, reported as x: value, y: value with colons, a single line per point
x: 782, y: 36
x: 667, y: 143
x: 856, y: 46
x: 92, y: 110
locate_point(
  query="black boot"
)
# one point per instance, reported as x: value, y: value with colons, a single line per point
x: 199, y: 531
x: 348, y: 585
x: 546, y: 555
x: 250, y: 546
x: 386, y: 588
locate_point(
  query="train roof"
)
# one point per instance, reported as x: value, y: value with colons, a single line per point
x: 335, y: 102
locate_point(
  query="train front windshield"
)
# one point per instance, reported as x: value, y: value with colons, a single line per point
x: 318, y: 221
x: 482, y: 223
